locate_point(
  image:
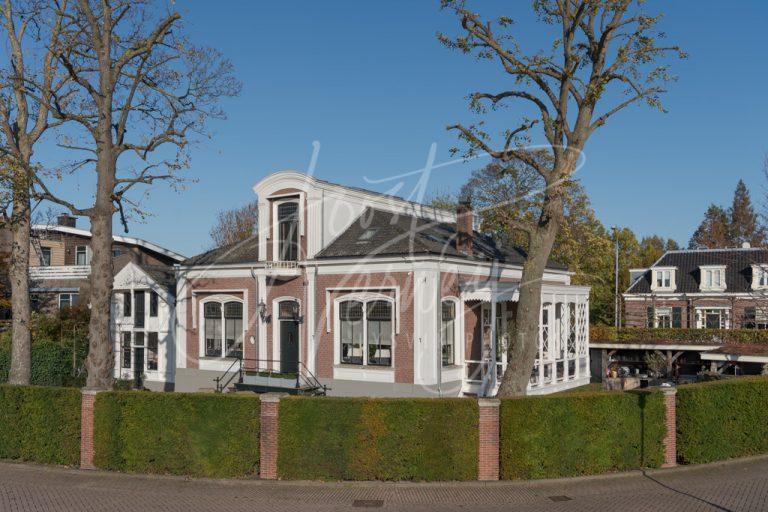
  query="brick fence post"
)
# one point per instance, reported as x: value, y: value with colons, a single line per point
x: 488, y: 449
x: 86, y: 427
x: 268, y: 447
x: 670, y: 439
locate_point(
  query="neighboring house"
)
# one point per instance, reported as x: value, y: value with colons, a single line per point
x: 60, y: 258
x: 369, y: 294
x: 698, y: 289
x: 143, y: 320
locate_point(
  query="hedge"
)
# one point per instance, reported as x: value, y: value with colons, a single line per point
x: 378, y: 439
x: 40, y: 424
x: 177, y: 433
x: 580, y: 434
x: 722, y: 419
x: 598, y: 333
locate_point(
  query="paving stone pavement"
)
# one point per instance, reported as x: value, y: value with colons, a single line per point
x: 733, y: 486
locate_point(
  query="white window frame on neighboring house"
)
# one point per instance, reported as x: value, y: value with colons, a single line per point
x: 712, y: 278
x: 663, y: 279
x: 723, y: 311
x: 67, y: 299
x: 760, y: 277
x: 662, y: 318
x: 82, y: 250
x: 222, y: 300
x: 46, y: 261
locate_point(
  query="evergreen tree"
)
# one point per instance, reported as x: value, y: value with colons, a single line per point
x: 714, y: 230
x: 744, y: 222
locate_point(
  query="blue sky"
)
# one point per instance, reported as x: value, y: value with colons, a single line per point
x: 370, y: 82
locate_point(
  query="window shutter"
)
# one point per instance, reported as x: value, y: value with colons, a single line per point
x: 649, y: 322
x: 677, y: 317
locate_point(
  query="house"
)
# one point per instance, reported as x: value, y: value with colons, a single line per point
x: 698, y: 289
x: 366, y: 294
x: 60, y: 257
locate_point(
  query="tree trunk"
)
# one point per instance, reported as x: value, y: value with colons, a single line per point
x: 100, y: 361
x: 522, y: 352
x: 21, y: 344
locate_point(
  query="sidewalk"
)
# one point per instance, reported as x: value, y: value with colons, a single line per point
x: 733, y: 486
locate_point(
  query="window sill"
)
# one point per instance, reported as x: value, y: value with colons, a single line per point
x: 369, y: 367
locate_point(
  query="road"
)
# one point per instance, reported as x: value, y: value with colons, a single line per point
x: 732, y: 486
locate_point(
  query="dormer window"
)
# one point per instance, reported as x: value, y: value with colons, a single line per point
x: 288, y: 231
x: 712, y: 278
x: 663, y: 279
x: 760, y: 277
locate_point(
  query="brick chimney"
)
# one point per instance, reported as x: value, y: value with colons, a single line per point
x: 66, y: 220
x: 464, y: 226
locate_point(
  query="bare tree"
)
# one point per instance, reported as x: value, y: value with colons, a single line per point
x: 597, y: 46
x: 144, y: 94
x: 235, y: 225
x: 27, y: 84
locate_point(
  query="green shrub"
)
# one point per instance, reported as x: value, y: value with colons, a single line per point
x: 722, y: 419
x: 378, y: 439
x: 580, y: 434
x: 40, y: 424
x: 598, y: 333
x: 173, y: 433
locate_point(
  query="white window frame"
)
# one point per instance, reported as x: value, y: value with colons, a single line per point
x: 364, y: 298
x: 86, y: 255
x: 222, y: 299
x: 658, y: 313
x: 43, y: 263
x: 458, y: 329
x: 70, y: 295
x: 712, y: 278
x: 275, y: 228
x: 725, y: 312
x: 668, y: 275
x: 760, y: 273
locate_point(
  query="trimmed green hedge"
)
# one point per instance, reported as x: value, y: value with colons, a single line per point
x: 177, y: 433
x: 40, y: 424
x: 580, y: 434
x: 722, y: 419
x: 378, y: 439
x: 598, y: 333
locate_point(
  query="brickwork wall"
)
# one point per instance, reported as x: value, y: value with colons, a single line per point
x: 670, y: 439
x: 635, y: 311
x: 488, y: 449
x: 86, y: 429
x: 268, y: 437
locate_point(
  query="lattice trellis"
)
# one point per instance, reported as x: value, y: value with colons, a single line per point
x: 581, y: 322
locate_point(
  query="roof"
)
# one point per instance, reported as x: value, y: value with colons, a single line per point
x: 738, y: 273
x: 381, y: 233
x: 742, y: 350
x: 162, y: 275
x: 117, y: 238
x: 245, y: 251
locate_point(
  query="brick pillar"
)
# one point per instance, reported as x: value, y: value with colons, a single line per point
x: 670, y: 439
x: 86, y: 428
x: 270, y: 408
x: 488, y: 449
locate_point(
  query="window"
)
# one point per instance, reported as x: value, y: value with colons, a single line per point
x: 759, y: 277
x: 153, y: 304
x: 712, y: 318
x: 126, y: 304
x: 152, y: 351
x: 223, y: 328
x: 138, y: 339
x: 288, y: 231
x: 712, y: 278
x: 67, y: 300
x: 663, y: 279
x: 448, y: 332
x: 116, y: 253
x: 755, y: 318
x: 139, y: 311
x: 368, y: 323
x: 126, y: 350
x: 81, y: 255
x: 663, y: 318
x: 45, y: 256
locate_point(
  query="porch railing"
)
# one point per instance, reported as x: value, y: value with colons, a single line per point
x: 303, y: 378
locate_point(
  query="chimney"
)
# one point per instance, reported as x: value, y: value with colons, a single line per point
x: 66, y: 220
x: 464, y: 226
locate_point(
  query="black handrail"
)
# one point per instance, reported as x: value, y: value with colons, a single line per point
x: 304, y: 377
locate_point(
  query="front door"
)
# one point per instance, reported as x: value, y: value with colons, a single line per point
x: 138, y: 367
x: 289, y: 346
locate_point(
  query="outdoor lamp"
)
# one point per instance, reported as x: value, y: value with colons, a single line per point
x: 262, y: 310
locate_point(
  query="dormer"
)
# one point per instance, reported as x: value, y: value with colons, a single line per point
x: 760, y: 276
x: 663, y: 279
x: 712, y: 278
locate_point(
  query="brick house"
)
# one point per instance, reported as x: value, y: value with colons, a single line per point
x: 368, y: 294
x: 697, y: 289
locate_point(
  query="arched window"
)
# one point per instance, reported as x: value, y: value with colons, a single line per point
x: 223, y: 328
x: 448, y: 332
x: 288, y: 231
x: 365, y: 332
